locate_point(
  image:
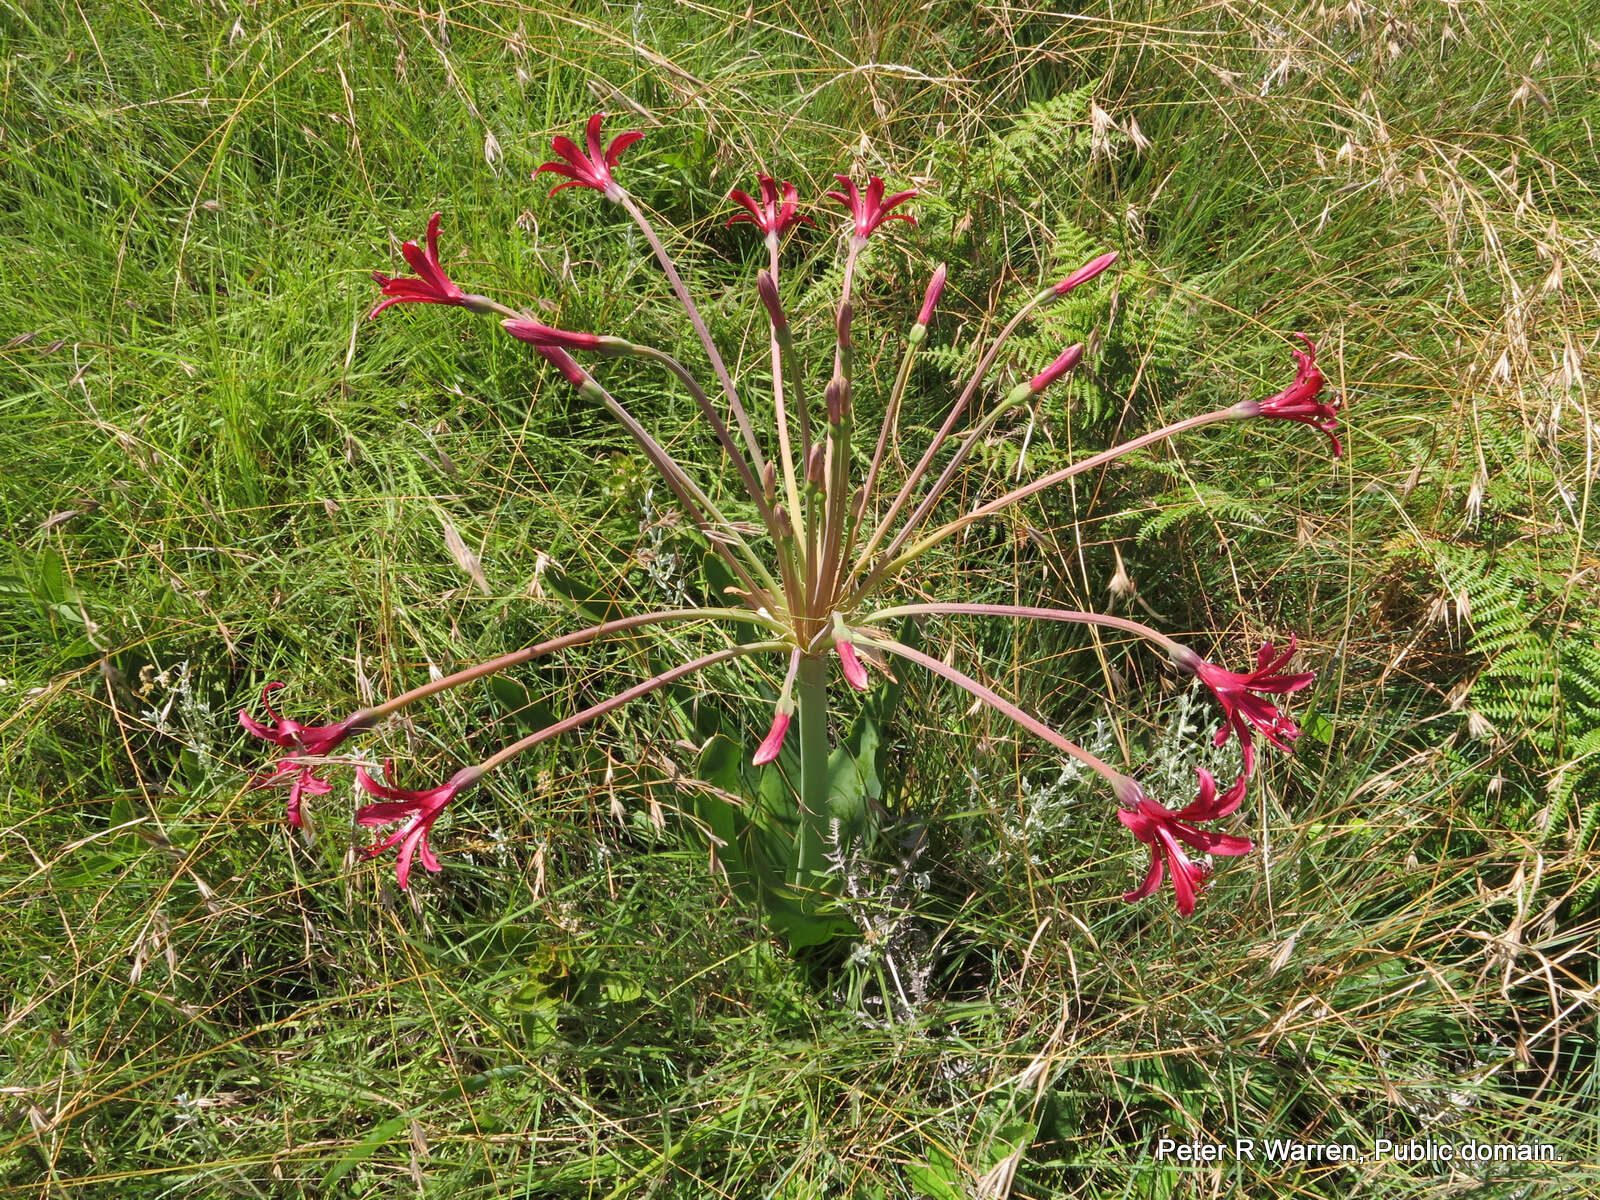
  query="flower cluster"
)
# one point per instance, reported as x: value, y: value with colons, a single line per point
x: 839, y: 534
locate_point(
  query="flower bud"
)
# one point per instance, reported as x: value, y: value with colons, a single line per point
x: 773, y: 744
x: 780, y: 518
x: 850, y: 666
x: 767, y: 289
x: 816, y: 464
x: 1086, y: 272
x: 536, y: 334
x: 837, y: 397
x: 563, y: 362
x: 931, y: 297
x: 769, y: 482
x: 1064, y: 362
x: 847, y: 313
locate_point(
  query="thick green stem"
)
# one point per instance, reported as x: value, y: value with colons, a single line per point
x: 811, y: 695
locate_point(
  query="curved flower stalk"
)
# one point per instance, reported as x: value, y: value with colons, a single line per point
x: 844, y: 531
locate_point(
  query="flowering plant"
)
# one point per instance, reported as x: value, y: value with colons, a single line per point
x: 839, y: 539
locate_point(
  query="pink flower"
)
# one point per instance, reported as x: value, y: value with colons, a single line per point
x: 871, y: 210
x: 594, y: 169
x: 1086, y: 272
x: 300, y: 739
x: 431, y: 286
x: 931, y: 296
x: 1064, y: 362
x: 290, y: 734
x: 302, y: 779
x: 1299, y: 402
x: 535, y: 334
x: 772, y: 744
x: 1241, y: 708
x: 771, y: 216
x: 1162, y: 830
x: 419, y: 810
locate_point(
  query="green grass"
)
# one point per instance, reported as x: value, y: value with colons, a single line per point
x: 218, y: 474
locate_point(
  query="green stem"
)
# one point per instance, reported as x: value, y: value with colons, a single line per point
x: 811, y: 694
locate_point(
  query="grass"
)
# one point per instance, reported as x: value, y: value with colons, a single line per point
x: 219, y: 474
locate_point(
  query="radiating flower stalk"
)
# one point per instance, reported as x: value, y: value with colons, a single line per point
x: 840, y: 538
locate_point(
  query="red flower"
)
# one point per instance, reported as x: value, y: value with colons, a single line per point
x: 431, y: 286
x: 772, y: 744
x: 301, y: 739
x: 1242, y: 709
x: 871, y: 210
x: 1162, y: 830
x: 419, y: 810
x: 594, y: 169
x: 303, y: 781
x: 770, y: 216
x: 1298, y: 401
x: 290, y: 734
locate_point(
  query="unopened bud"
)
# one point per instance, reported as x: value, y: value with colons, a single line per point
x: 847, y: 313
x: 780, y: 518
x: 563, y: 362
x: 816, y: 464
x: 538, y: 334
x: 767, y: 289
x: 769, y: 482
x: 772, y: 745
x: 1064, y: 362
x: 1085, y: 273
x: 837, y: 397
x: 931, y: 297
